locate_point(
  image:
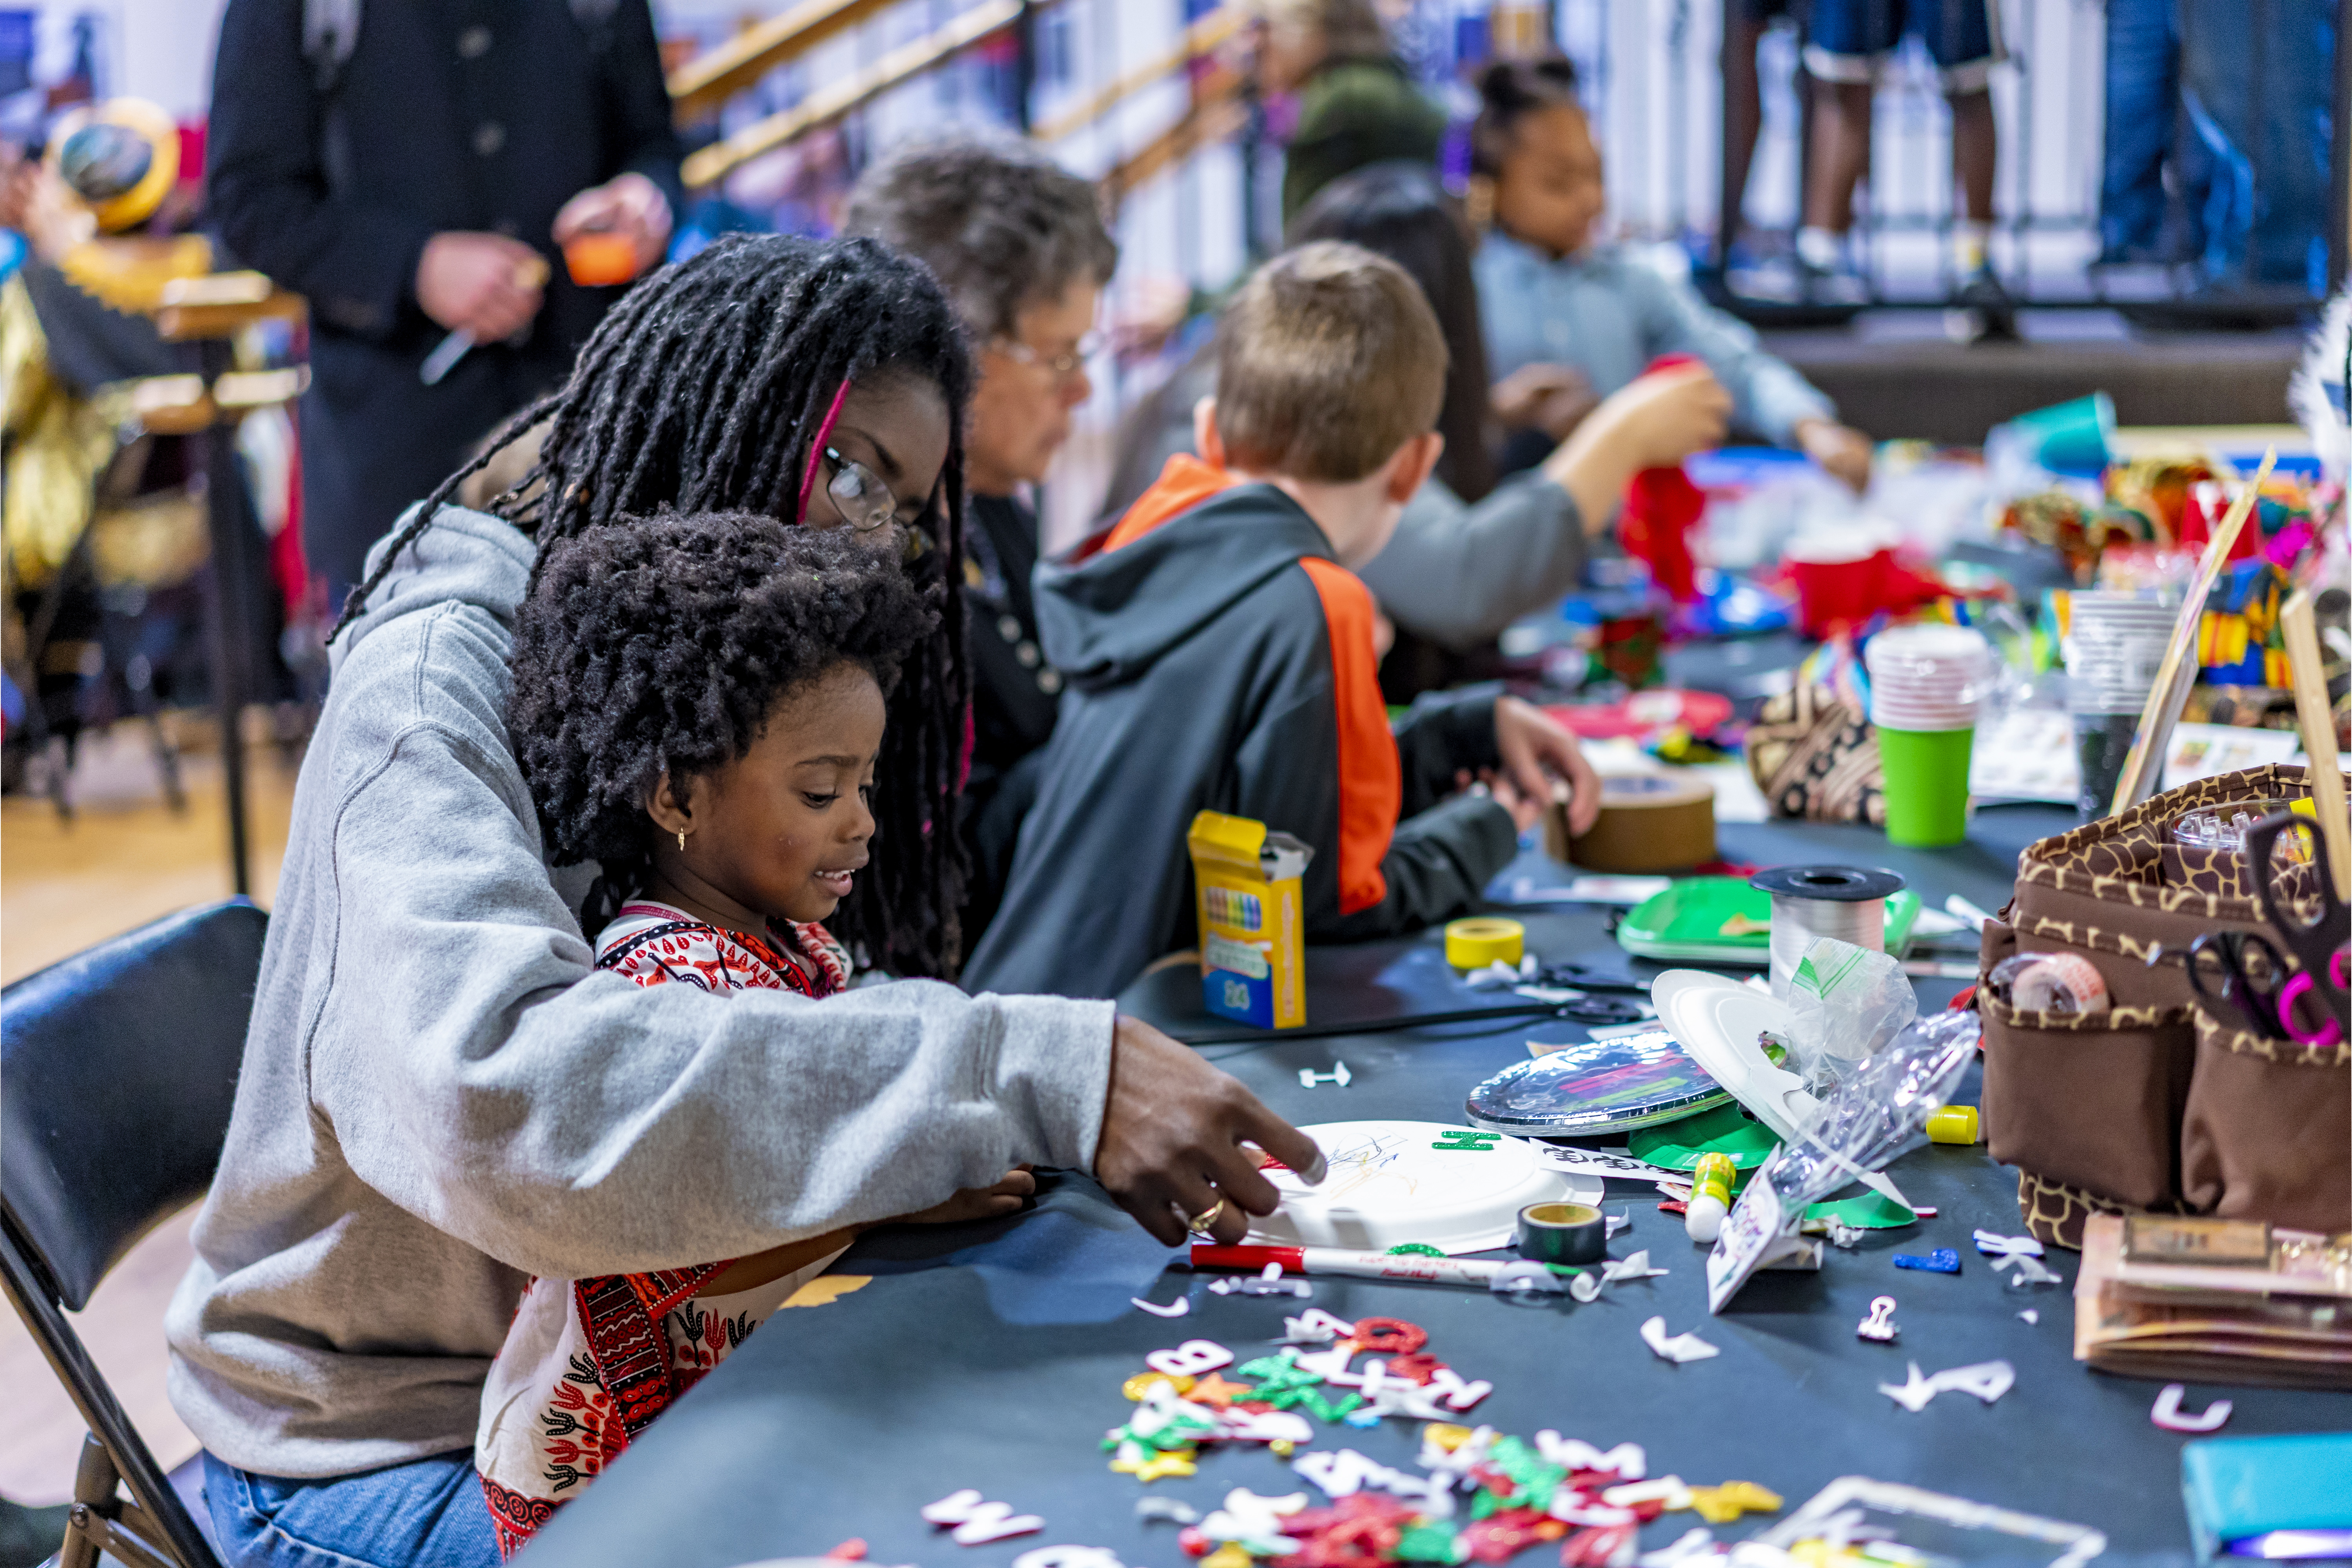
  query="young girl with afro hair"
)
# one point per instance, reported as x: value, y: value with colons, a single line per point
x: 810, y: 381
x: 699, y: 705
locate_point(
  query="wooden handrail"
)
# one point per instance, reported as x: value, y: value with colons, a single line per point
x: 709, y: 79
x: 1200, y: 39
x: 713, y: 163
x: 1215, y: 114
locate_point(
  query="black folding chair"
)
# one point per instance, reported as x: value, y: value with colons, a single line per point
x: 117, y: 1068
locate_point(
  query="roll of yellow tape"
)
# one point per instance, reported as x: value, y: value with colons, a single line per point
x: 1482, y: 940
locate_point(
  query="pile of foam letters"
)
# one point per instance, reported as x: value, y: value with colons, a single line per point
x: 1520, y: 1494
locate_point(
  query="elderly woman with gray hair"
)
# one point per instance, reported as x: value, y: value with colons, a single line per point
x: 1020, y: 246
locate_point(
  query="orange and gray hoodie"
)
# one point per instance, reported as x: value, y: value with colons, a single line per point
x: 1218, y: 659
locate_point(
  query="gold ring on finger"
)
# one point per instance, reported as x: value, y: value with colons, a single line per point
x: 1200, y: 1222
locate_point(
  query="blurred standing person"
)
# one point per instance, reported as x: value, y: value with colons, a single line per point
x: 1019, y: 244
x: 1848, y: 45
x: 2148, y: 135
x: 1356, y: 104
x: 414, y: 167
x: 2257, y: 85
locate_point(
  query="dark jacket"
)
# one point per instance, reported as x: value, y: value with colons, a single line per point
x: 1353, y: 113
x: 1016, y: 692
x: 1213, y: 663
x: 449, y: 114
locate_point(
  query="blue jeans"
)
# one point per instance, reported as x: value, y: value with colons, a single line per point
x: 1854, y: 34
x: 2144, y: 132
x: 430, y: 1512
x: 2266, y: 208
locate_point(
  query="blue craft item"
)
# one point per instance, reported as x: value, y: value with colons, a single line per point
x: 2239, y: 1491
x: 2071, y: 438
x: 1943, y: 1260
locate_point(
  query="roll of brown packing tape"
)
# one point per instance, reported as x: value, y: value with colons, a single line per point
x: 1649, y: 822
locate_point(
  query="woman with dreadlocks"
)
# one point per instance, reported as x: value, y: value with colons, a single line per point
x: 654, y: 419
x: 443, y: 1098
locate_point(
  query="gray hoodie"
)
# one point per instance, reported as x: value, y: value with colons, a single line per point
x: 441, y: 1097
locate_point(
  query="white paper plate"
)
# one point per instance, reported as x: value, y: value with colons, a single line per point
x: 1389, y: 1185
x: 1716, y: 1021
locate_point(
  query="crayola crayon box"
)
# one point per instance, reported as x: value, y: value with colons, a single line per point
x: 1253, y: 942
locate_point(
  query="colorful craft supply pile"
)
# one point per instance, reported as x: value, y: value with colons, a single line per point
x: 1479, y: 1496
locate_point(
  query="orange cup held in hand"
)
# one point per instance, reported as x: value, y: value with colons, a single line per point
x: 597, y: 261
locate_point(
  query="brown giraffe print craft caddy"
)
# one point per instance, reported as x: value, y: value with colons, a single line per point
x: 2156, y: 1104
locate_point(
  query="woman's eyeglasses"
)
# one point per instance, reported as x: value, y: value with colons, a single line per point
x: 865, y: 502
x: 1063, y: 365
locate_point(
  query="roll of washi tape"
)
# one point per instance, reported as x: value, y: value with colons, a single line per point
x: 2040, y: 985
x: 1649, y: 822
x: 1562, y: 1232
x: 1810, y: 902
x: 1482, y: 940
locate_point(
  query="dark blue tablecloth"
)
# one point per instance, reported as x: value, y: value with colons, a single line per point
x: 990, y: 1355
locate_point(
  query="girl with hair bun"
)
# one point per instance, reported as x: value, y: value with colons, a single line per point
x: 1554, y: 298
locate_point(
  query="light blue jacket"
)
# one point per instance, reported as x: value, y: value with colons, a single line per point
x: 1608, y: 314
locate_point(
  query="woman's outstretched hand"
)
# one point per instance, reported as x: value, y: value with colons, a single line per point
x: 1654, y: 421
x: 1172, y: 1139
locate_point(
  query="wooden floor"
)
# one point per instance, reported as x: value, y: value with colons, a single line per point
x: 124, y: 859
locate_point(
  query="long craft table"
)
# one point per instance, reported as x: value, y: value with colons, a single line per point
x: 990, y: 1355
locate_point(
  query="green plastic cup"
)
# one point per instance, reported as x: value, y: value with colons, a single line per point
x: 1927, y: 786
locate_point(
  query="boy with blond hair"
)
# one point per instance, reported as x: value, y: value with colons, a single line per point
x: 1221, y: 655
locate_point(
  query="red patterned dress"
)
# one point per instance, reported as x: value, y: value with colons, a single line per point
x: 588, y: 1363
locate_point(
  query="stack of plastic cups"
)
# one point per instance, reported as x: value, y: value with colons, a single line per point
x: 2114, y: 645
x: 1925, y: 685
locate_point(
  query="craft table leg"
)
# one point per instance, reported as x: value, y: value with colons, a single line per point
x: 232, y: 623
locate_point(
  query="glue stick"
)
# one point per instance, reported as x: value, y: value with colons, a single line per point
x: 1710, y: 1197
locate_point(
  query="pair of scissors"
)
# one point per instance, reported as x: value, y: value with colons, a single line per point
x: 2318, y: 943
x: 1601, y: 1010
x: 1577, y: 977
x: 2252, y: 992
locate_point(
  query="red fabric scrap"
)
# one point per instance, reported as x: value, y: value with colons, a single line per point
x: 1502, y: 1534
x: 1596, y: 1546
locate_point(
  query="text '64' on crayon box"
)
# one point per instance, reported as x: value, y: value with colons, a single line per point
x: 1253, y: 949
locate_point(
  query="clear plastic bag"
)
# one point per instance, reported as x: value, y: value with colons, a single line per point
x: 1848, y: 1002
x: 1878, y: 1111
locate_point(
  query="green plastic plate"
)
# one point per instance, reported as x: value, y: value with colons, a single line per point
x: 1686, y: 922
x: 1725, y: 1129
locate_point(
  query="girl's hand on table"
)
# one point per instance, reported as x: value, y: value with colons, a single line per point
x: 1003, y: 1196
x: 1844, y: 451
x: 1553, y: 398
